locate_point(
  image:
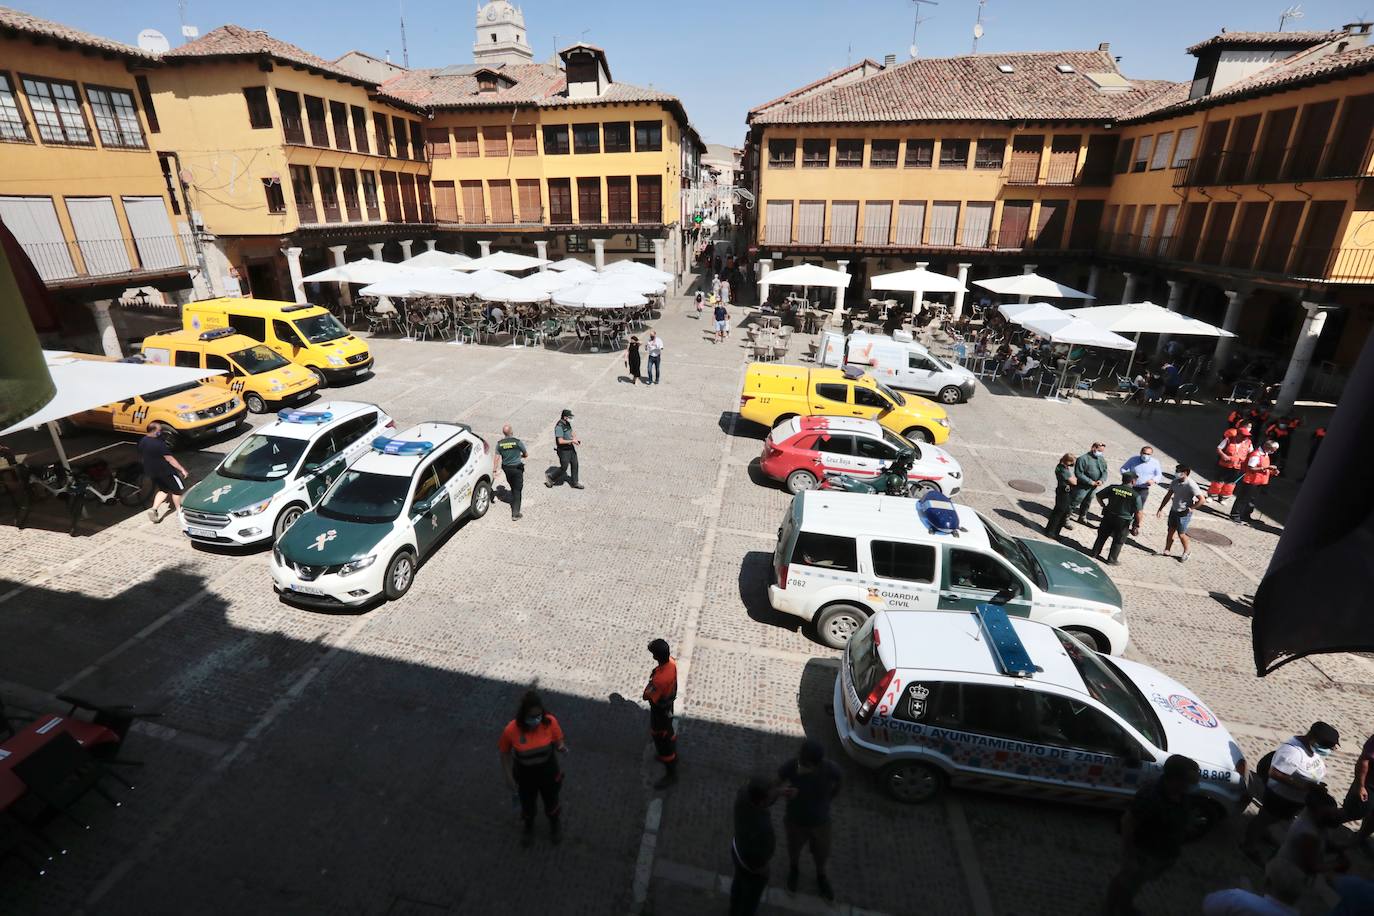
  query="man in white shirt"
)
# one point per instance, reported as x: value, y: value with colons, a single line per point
x: 1298, y: 766
x: 654, y: 347
x: 1284, y: 885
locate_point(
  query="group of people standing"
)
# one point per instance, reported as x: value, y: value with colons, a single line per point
x: 653, y: 350
x: 1247, y: 462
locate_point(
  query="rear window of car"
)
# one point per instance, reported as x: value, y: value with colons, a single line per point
x: 825, y: 551
x: 864, y: 664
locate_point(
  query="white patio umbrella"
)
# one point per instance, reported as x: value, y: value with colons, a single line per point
x: 1017, y: 312
x: 445, y: 283
x: 1138, y: 318
x: 515, y: 291
x: 572, y: 264
x: 410, y: 283
x: 365, y: 270
x: 1066, y: 329
x: 917, y: 280
x: 504, y: 260
x: 634, y: 268
x: 601, y: 293
x: 483, y: 280
x: 806, y: 276
x: 436, y: 259
x: 552, y: 280
x: 1030, y: 285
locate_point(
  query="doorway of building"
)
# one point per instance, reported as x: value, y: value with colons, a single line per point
x: 262, y: 280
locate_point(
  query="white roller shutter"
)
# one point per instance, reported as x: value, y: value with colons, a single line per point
x: 33, y: 222
x: 944, y: 220
x: 778, y: 223
x: 911, y: 222
x: 877, y: 222
x: 844, y: 222
x: 98, y: 235
x: 152, y: 230
x: 977, y: 224
x: 811, y: 222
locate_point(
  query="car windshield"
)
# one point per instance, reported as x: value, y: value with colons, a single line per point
x: 937, y: 361
x: 892, y: 396
x: 321, y: 328
x: 362, y: 497
x: 263, y: 458
x: 1015, y: 552
x: 900, y: 442
x: 1111, y: 688
x: 257, y: 360
x: 169, y: 391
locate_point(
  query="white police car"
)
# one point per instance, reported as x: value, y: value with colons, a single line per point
x: 383, y: 515
x: 278, y: 472
x: 982, y: 700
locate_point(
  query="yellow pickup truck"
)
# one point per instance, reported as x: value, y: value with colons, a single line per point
x: 773, y: 393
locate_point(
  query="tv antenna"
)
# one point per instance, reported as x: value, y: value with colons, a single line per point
x: 187, y: 31
x: 405, y: 52
x: 918, y: 20
x: 978, y: 26
x: 1293, y: 12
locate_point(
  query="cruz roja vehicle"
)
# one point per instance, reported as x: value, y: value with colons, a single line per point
x: 801, y: 451
x: 383, y: 516
x: 982, y: 700
x: 774, y: 393
x: 259, y: 375
x: 306, y: 334
x: 279, y: 471
x: 900, y: 362
x: 841, y: 557
x: 191, y: 411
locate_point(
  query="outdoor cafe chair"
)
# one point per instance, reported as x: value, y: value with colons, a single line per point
x: 552, y: 329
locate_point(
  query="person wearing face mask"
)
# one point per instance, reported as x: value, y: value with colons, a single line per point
x: 529, y: 746
x: 1147, y: 473
x: 1064, y: 484
x: 653, y: 349
x: 1297, y: 766
x: 1091, y: 471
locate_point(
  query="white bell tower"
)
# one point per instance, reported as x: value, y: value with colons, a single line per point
x: 501, y: 35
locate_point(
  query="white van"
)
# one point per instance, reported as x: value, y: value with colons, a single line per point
x: 898, y: 361
x: 841, y: 557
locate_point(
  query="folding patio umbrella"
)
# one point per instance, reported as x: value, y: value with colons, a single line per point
x: 1066, y: 329
x: 572, y: 264
x: 504, y: 260
x: 483, y: 280
x: 552, y: 280
x: 918, y: 280
x: 514, y: 291
x: 1030, y: 285
x: 436, y: 259
x: 601, y: 293
x: 807, y: 276
x: 634, y: 268
x: 410, y: 283
x: 365, y: 270
x: 1146, y: 318
x: 1018, y: 312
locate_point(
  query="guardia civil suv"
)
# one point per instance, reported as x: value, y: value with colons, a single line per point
x: 383, y: 516
x: 278, y: 472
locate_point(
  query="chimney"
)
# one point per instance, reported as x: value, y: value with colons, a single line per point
x: 1105, y: 47
x: 889, y: 60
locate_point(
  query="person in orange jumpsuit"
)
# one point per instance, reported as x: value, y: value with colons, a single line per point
x: 529, y: 746
x: 661, y: 692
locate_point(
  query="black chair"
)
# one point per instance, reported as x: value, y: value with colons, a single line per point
x: 60, y: 774
x: 117, y: 718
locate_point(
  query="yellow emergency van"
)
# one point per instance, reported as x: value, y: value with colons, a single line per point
x: 259, y: 374
x: 306, y: 334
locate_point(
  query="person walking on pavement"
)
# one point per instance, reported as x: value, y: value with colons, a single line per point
x: 1064, y: 484
x: 632, y: 359
x: 722, y: 316
x: 1152, y: 832
x: 510, y: 457
x: 809, y: 783
x: 1359, y: 800
x: 1296, y: 767
x: 565, y: 443
x: 162, y: 468
x: 1259, y: 470
x: 1182, y: 497
x: 1118, y: 508
x: 529, y: 746
x: 1091, y: 471
x: 753, y: 844
x: 654, y: 348
x: 1232, y: 451
x: 661, y: 692
x: 1147, y: 472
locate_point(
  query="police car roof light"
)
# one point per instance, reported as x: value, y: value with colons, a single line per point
x: 388, y: 446
x: 938, y: 513
x: 217, y: 333
x: 1008, y: 652
x: 304, y: 416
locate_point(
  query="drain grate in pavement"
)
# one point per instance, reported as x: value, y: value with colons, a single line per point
x: 1026, y: 486
x: 1207, y: 536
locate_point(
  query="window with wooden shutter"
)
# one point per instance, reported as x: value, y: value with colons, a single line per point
x: 399, y: 133
x: 445, y: 202
x: 426, y: 205
x: 289, y: 104
x: 474, y: 208
x: 816, y: 153
x: 650, y: 189
x: 1167, y: 222
x: 531, y: 201
x: 782, y: 154
x: 810, y: 222
x: 391, y: 196
x: 523, y: 142
x: 844, y: 222
x: 777, y: 225
x: 502, y: 207
x: 348, y: 181
x: 374, y: 209
x: 145, y: 95
x: 953, y: 154
x: 1049, y: 225
x: 877, y: 221
x: 911, y: 222
x: 259, y: 114
x: 1144, y: 147
x: 329, y: 194
x: 1217, y: 231
x: 648, y: 136
x: 849, y: 154
x: 314, y: 113
x: 1087, y: 218
x: 1123, y: 156
x: 494, y: 141
x: 1025, y: 158
x: 882, y: 154
x: 410, y: 204
x: 338, y: 116
x: 360, y: 129
x: 303, y: 193
x: 465, y: 143
x: 1163, y: 142
x: 920, y: 154
x: 1249, y: 225
x: 589, y: 200
x: 1063, y: 158
x: 618, y: 205
x: 1015, y: 226
x: 382, y: 128
x: 437, y: 138
x: 560, y: 200
x: 417, y: 141
x: 990, y: 153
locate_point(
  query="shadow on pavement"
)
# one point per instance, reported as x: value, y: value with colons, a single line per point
x: 755, y: 575
x: 1238, y: 606
x: 731, y: 423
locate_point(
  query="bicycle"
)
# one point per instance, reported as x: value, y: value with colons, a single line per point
x: 93, y: 481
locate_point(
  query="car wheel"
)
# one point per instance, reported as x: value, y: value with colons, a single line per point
x: 951, y: 394
x: 838, y: 622
x: 912, y: 783
x: 255, y: 403
x: 481, y: 499
x: 798, y: 481
x: 783, y: 419
x: 1091, y: 638
x: 918, y: 434
x: 285, y: 519
x: 319, y: 376
x: 1203, y: 815
x: 920, y: 489
x: 400, y: 574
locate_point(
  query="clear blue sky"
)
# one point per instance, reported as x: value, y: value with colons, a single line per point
x: 722, y: 58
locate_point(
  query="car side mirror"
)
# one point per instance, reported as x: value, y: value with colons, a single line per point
x: 1003, y: 596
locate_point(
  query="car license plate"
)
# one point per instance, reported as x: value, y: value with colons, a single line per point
x: 305, y: 590
x: 362, y: 371
x: 223, y: 427
x: 200, y: 532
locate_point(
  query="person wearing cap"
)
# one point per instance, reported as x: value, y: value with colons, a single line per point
x: 1152, y: 831
x: 1118, y: 508
x: 565, y: 443
x: 809, y: 783
x: 1297, y: 766
x: 510, y: 456
x: 661, y: 693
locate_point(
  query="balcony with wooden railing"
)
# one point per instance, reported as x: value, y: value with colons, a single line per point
x: 1303, y: 162
x: 1275, y: 258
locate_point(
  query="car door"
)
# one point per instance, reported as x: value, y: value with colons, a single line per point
x: 830, y: 398
x: 431, y: 509
x: 908, y: 575
x: 130, y: 416
x: 920, y: 372
x: 836, y: 453
x: 872, y: 455
x: 990, y: 737
x: 291, y: 342
x: 868, y: 403
x: 971, y: 577
x: 1094, y: 752
x: 233, y: 376
x: 322, y: 466
x: 462, y: 469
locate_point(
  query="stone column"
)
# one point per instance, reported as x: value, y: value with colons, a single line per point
x: 765, y: 267
x: 658, y: 254
x: 1128, y: 294
x: 1175, y: 302
x: 599, y: 246
x: 293, y: 265
x: 376, y: 250
x: 485, y: 248
x: 1094, y: 278
x: 104, y: 326
x: 345, y: 294
x: 959, y: 296
x: 541, y: 248
x: 1302, y: 356
x: 922, y: 265
x: 839, y: 292
x: 429, y: 244
x: 405, y: 248
x: 1026, y: 269
x: 1235, y: 299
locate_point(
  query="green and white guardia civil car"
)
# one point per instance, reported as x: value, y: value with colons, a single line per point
x: 383, y: 515
x: 279, y: 471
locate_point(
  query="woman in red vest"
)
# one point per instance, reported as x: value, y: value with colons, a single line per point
x: 1259, y: 469
x: 1232, y: 451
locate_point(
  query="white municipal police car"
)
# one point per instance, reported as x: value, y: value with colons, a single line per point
x: 278, y: 472
x: 982, y: 700
x: 843, y: 556
x: 383, y: 515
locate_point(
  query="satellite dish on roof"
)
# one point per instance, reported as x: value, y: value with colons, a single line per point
x: 977, y: 30
x: 153, y: 41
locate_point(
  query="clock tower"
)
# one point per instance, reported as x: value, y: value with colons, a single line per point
x: 501, y: 35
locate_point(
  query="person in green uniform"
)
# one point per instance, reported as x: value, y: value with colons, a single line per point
x: 1091, y: 471
x: 510, y: 456
x: 1118, y: 509
x: 1064, y: 484
x: 565, y: 443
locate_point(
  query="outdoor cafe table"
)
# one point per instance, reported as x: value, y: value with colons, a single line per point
x: 33, y: 737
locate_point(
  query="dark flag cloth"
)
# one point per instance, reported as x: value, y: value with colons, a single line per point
x: 1316, y: 595
x: 25, y: 385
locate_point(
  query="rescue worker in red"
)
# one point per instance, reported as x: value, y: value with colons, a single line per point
x: 529, y: 747
x: 661, y: 692
x: 1280, y: 431
x: 1259, y: 470
x: 1232, y: 451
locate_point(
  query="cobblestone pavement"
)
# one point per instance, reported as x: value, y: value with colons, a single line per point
x: 312, y: 762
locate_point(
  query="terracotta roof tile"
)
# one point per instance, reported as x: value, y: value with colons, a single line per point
x: 1251, y: 39
x: 15, y: 22
x: 817, y: 84
x: 539, y: 85
x: 236, y: 41
x: 972, y: 88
